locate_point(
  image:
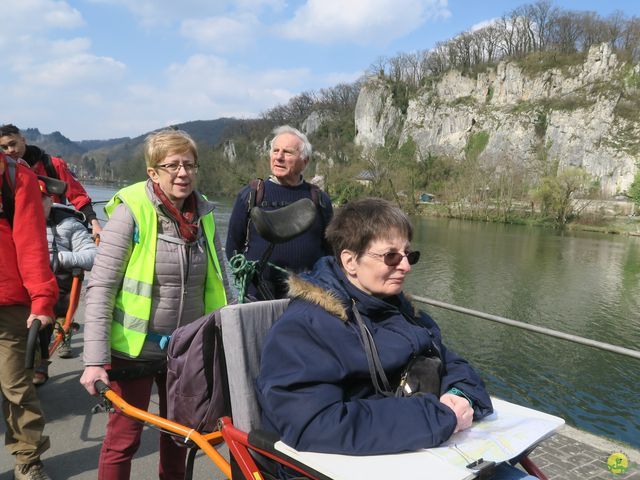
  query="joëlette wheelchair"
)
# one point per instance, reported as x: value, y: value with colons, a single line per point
x: 243, y: 329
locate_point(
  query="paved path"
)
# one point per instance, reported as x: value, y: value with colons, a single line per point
x: 76, y: 435
x: 574, y: 454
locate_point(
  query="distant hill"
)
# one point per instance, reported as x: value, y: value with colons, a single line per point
x: 206, y: 133
x: 96, y: 144
x: 54, y: 143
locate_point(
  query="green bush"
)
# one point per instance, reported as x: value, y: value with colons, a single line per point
x: 634, y: 189
x: 476, y: 144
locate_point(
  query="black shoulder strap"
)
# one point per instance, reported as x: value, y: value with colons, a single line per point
x: 373, y: 359
x: 54, y: 263
x: 9, y: 190
x: 48, y: 166
x: 256, y: 194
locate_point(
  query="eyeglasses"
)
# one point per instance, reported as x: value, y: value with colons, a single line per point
x: 393, y: 259
x: 174, y: 168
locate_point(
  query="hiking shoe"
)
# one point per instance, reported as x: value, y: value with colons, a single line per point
x: 64, y: 350
x: 30, y: 471
x: 41, y: 374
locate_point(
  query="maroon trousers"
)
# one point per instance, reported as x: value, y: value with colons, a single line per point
x: 123, y: 433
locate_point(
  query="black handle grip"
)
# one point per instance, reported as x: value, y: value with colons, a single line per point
x: 100, y: 387
x: 32, y: 342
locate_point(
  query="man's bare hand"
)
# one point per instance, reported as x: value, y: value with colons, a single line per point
x: 44, y: 320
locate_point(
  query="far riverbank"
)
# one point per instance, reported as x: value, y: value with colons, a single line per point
x: 617, y: 217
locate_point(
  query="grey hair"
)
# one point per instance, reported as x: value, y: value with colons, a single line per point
x: 305, y: 149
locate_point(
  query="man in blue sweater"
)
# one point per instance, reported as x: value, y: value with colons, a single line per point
x: 289, y: 155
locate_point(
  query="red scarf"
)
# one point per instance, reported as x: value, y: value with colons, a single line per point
x: 186, y: 226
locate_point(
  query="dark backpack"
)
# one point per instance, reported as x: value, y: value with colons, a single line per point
x: 51, y: 172
x: 256, y: 196
x: 197, y: 388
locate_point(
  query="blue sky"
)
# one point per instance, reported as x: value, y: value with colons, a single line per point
x: 98, y: 69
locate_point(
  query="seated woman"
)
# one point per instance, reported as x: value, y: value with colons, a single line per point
x: 315, y: 386
x: 70, y: 247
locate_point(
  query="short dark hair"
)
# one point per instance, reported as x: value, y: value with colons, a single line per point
x: 360, y: 222
x: 9, y: 129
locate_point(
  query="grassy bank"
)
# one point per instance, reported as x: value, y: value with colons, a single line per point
x: 616, y: 225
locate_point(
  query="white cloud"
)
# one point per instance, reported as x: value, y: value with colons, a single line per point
x: 253, y: 5
x: 222, y: 34
x: 62, y: 48
x: 361, y: 21
x: 483, y: 24
x: 77, y: 71
x: 154, y: 13
x: 202, y: 87
x: 37, y: 16
x: 228, y: 85
x: 158, y: 13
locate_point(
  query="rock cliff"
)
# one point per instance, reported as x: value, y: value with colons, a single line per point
x: 582, y: 115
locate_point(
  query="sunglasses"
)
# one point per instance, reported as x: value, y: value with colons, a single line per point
x: 393, y: 259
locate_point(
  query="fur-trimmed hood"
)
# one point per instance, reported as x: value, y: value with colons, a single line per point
x: 328, y: 287
x: 312, y: 293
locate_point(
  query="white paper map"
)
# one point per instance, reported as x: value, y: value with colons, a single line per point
x: 509, y: 431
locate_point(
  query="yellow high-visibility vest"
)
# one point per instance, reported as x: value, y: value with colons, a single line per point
x: 133, y: 302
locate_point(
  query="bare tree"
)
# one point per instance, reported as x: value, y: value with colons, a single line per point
x: 566, y: 32
x: 615, y: 27
x: 542, y: 14
x: 630, y: 41
x: 379, y: 67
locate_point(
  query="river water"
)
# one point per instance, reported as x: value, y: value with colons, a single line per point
x: 580, y: 283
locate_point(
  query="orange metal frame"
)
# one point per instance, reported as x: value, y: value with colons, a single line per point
x: 205, y: 442
x: 237, y: 441
x: 74, y: 300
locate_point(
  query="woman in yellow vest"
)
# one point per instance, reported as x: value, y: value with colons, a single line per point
x: 157, y: 268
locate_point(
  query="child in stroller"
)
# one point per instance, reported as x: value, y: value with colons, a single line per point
x: 71, y: 252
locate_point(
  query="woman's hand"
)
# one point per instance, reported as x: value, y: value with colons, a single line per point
x: 462, y: 409
x: 91, y: 375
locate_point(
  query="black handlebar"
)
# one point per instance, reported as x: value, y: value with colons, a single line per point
x: 32, y: 342
x: 101, y: 387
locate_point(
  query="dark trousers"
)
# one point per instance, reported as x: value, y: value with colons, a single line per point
x: 123, y: 433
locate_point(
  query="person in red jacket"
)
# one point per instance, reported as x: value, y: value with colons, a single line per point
x: 29, y: 291
x: 13, y: 143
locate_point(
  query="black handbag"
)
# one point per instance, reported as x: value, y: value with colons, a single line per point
x: 422, y: 375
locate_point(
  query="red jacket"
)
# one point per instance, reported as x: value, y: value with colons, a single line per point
x: 25, y: 275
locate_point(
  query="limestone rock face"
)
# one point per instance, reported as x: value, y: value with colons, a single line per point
x: 230, y: 151
x: 375, y: 115
x: 570, y: 113
x: 312, y: 123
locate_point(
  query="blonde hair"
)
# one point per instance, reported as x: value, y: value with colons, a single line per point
x: 160, y: 144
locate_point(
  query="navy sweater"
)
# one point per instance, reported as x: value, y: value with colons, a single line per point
x: 297, y: 255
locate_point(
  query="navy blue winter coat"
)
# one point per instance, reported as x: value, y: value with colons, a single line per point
x: 314, y: 385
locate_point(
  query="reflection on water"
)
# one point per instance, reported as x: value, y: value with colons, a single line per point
x: 580, y: 283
